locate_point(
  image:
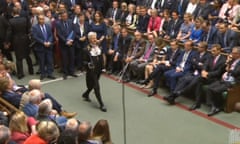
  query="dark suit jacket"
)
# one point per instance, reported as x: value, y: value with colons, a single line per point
x: 236, y: 72
x: 195, y: 63
x: 12, y: 97
x: 215, y: 71
x: 188, y: 64
x: 202, y: 11
x: 174, y: 27
x: 17, y: 33
x: 123, y: 47
x: 184, y: 7
x: 117, y: 16
x: 78, y: 35
x: 168, y: 4
x: 140, y: 49
x: 3, y: 28
x: 174, y: 59
x: 232, y: 39
x: 210, y: 37
x: 64, y: 33
x: 143, y: 23
x: 39, y: 37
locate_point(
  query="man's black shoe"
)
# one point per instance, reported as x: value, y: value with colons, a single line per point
x: 20, y: 76
x: 73, y: 75
x: 195, y: 106
x: 64, y: 77
x: 170, y: 99
x: 213, y: 111
x: 51, y: 77
x: 103, y: 108
x: 86, y: 97
x: 42, y: 77
x: 152, y: 93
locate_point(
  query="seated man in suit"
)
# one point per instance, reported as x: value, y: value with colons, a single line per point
x: 167, y: 63
x: 138, y: 65
x: 114, y: 13
x: 183, y: 66
x: 212, y: 71
x: 136, y: 50
x: 123, y: 46
x: 113, y: 48
x: 226, y: 37
x: 209, y: 33
x: 229, y: 78
x: 143, y: 20
x: 189, y: 81
x: 175, y: 24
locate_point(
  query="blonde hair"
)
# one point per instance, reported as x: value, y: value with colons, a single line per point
x: 48, y: 131
x: 18, y: 122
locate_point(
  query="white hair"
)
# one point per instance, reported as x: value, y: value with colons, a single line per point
x: 90, y: 34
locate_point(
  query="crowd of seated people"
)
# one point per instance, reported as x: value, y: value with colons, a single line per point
x: 56, y: 33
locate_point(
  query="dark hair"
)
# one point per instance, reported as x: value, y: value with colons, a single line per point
x: 100, y: 15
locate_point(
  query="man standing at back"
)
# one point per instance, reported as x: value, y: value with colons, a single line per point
x: 43, y: 36
x: 66, y: 36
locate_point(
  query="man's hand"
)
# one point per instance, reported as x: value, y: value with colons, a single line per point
x: 82, y: 38
x: 178, y: 69
x: 204, y: 74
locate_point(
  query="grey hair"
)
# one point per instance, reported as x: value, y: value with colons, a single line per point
x: 34, y: 96
x: 71, y: 124
x: 90, y: 34
x: 45, y: 107
x: 4, y: 134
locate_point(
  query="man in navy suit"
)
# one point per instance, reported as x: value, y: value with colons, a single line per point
x: 212, y: 71
x: 183, y: 66
x: 209, y: 33
x: 190, y: 80
x: 143, y: 20
x: 43, y: 36
x: 227, y: 38
x: 65, y: 34
x: 114, y: 13
x: 81, y: 30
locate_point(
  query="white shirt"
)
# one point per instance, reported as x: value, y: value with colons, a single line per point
x: 95, y: 51
x: 191, y: 7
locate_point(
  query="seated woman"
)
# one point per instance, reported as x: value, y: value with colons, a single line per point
x: 185, y: 29
x: 6, y: 87
x: 196, y: 34
x: 160, y: 52
x: 101, y: 132
x: 131, y: 18
x: 19, y: 126
x: 165, y: 23
x: 154, y: 23
x: 47, y: 133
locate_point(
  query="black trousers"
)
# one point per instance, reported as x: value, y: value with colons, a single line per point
x: 215, y: 90
x: 92, y: 81
x: 19, y: 64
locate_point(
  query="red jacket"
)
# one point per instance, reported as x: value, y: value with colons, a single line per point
x: 35, y: 139
x: 154, y: 24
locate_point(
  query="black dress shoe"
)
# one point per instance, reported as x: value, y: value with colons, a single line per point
x: 73, y: 75
x: 152, y: 93
x: 38, y: 72
x: 42, y: 77
x: 64, y: 77
x: 214, y: 111
x: 170, y: 99
x: 86, y: 97
x: 195, y: 106
x: 103, y: 108
x: 51, y: 77
x: 20, y: 76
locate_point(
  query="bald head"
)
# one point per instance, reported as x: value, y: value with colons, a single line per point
x: 35, y: 96
x: 34, y: 84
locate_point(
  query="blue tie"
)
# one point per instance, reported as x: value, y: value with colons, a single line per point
x: 44, y: 32
x: 116, y: 42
